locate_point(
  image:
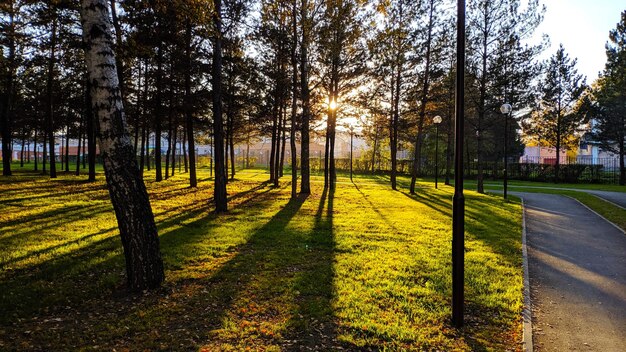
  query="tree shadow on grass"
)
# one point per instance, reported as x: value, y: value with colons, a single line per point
x: 83, y: 275
x: 485, y: 321
x: 312, y: 326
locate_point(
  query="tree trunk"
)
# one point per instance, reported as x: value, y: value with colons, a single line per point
x: 174, y: 141
x: 305, y: 166
x: 67, y: 148
x: 80, y: 137
x: 281, y: 166
x: 22, y: 152
x: 184, y: 146
x: 294, y: 103
x: 193, y: 182
x: 169, y: 136
x: 277, y: 149
x: 138, y: 231
x: 159, y: 111
x: 44, y: 155
x: 36, y: 167
x: 91, y: 133
x: 622, y: 170
x: 142, y: 152
x: 394, y: 128
x: 49, y: 102
x: 84, y: 147
x: 327, y: 151
x: 274, y: 139
x: 231, y: 141
x: 419, y: 139
x: 7, y: 104
x: 220, y: 196
x: 558, y: 145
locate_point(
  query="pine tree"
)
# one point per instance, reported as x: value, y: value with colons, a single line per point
x: 555, y: 121
x: 491, y: 25
x: 608, y: 98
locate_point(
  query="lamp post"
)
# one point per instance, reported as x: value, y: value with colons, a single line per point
x: 506, y: 109
x: 437, y: 121
x: 351, y: 129
x: 330, y: 144
x: 458, y: 201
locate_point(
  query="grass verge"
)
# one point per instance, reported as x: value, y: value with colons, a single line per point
x: 360, y: 268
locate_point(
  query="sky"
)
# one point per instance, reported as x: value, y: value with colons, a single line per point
x: 582, y: 26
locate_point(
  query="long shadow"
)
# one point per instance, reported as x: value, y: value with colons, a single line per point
x: 483, y: 320
x: 49, y: 278
x: 312, y: 326
x: 271, y: 258
x: 50, y: 249
x: 375, y: 208
x: 46, y: 220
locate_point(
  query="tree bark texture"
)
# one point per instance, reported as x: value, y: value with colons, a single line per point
x: 305, y: 166
x: 294, y: 103
x: 220, y: 196
x: 50, y: 102
x: 6, y: 113
x: 138, y: 232
x: 193, y: 181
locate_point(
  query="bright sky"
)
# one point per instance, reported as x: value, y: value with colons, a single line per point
x: 582, y: 26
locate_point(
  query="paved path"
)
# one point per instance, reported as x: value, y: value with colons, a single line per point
x: 617, y: 198
x: 577, y: 267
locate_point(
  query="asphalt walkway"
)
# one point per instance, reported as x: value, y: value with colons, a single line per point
x: 617, y: 198
x: 577, y: 269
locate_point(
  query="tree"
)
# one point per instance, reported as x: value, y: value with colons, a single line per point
x: 554, y: 120
x: 138, y: 232
x: 219, y: 193
x: 432, y: 46
x: 494, y: 26
x: 608, y: 98
x: 390, y: 48
x: 342, y: 56
x: 8, y: 68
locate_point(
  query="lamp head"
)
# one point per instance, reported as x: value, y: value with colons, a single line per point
x: 506, y: 108
x: 437, y: 119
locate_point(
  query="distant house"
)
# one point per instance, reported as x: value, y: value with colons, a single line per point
x: 542, y: 155
x: 590, y: 152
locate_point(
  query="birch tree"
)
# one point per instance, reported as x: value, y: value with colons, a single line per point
x: 135, y: 219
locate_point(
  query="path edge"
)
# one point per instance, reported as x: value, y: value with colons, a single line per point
x: 606, y: 200
x: 527, y: 337
x: 598, y: 214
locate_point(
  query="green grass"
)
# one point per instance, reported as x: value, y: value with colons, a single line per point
x: 363, y: 267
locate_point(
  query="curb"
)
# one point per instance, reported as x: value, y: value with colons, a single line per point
x: 595, y: 212
x: 527, y: 337
x: 606, y: 200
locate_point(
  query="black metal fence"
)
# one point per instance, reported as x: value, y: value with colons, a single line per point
x: 571, y: 170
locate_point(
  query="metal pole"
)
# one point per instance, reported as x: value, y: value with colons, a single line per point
x: 437, y: 158
x: 351, y: 140
x: 506, y: 145
x: 458, y: 202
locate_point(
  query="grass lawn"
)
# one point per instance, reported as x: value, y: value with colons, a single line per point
x: 360, y: 268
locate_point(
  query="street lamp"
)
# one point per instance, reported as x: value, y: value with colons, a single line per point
x: 437, y: 121
x: 351, y: 129
x: 507, y: 110
x: 329, y: 171
x: 458, y: 201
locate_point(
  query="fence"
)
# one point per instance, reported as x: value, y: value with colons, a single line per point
x: 571, y: 170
